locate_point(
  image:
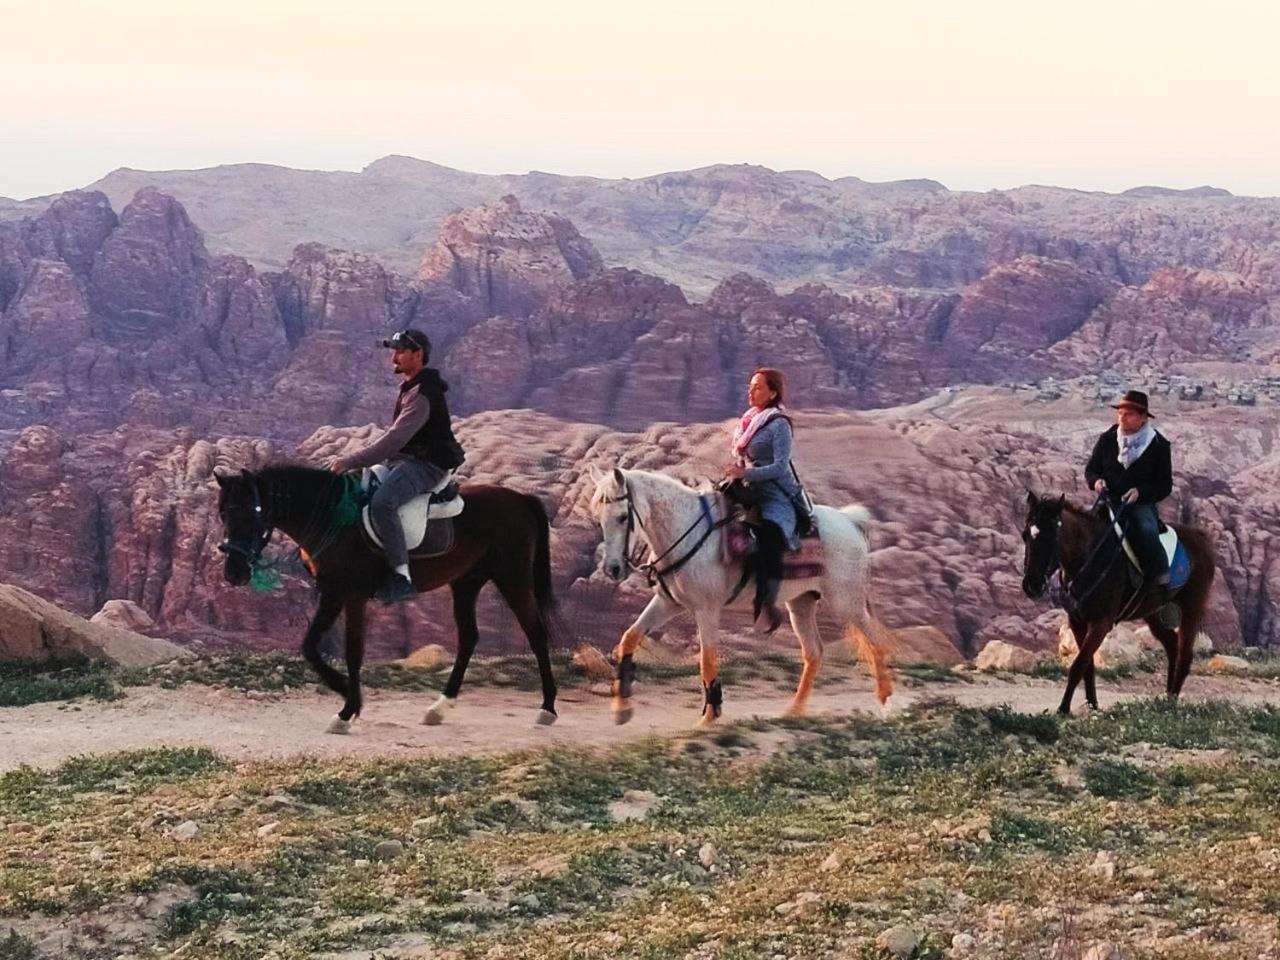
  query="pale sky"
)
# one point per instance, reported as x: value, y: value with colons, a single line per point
x: 979, y: 95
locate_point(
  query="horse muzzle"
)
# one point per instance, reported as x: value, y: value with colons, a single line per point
x: 1033, y: 587
x: 236, y: 571
x: 614, y: 569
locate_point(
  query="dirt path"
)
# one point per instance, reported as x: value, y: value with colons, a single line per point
x: 487, y: 720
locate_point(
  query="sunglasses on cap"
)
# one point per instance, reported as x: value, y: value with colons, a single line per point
x: 407, y: 340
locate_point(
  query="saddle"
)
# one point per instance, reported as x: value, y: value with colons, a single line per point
x: 738, y: 544
x: 427, y: 519
x: 1174, y: 551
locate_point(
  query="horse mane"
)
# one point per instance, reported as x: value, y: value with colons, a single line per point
x: 1080, y: 512
x: 661, y: 479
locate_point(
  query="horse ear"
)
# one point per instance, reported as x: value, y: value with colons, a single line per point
x: 1062, y: 500
x: 1031, y: 499
x: 221, y: 478
x: 595, y: 473
x: 619, y: 479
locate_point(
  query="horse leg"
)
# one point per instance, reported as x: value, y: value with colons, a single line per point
x: 521, y: 599
x: 1187, y: 633
x: 1090, y: 686
x: 709, y: 665
x: 657, y: 614
x: 464, y: 618
x: 1084, y: 658
x: 325, y: 615
x: 870, y: 640
x: 1169, y: 640
x: 804, y: 622
x: 353, y: 624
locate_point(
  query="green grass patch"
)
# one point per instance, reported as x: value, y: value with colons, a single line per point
x: 1041, y: 727
x: 22, y: 684
x: 14, y: 946
x: 1118, y: 778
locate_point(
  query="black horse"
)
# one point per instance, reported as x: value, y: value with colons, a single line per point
x: 1099, y: 594
x: 501, y: 537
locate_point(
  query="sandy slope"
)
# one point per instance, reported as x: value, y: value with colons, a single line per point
x: 487, y: 719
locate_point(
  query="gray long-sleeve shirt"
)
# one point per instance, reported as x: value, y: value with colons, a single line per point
x: 414, y: 409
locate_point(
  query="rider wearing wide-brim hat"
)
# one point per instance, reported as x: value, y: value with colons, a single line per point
x: 1132, y: 464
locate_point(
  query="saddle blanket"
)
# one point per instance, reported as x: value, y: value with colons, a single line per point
x: 739, y: 543
x: 1175, y: 553
x: 424, y: 539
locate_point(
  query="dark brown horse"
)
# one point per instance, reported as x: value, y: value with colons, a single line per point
x: 501, y: 536
x: 1082, y: 548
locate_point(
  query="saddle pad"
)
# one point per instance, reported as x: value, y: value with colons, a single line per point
x: 1175, y: 553
x: 414, y: 516
x: 415, y: 513
x: 1179, y: 566
x: 738, y: 544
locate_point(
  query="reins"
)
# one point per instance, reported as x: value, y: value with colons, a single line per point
x: 654, y: 573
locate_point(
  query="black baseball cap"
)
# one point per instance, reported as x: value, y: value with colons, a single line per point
x: 408, y: 340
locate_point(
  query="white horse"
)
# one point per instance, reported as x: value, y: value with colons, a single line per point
x: 671, y: 520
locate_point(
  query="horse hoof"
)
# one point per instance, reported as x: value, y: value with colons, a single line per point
x: 545, y: 718
x: 435, y: 713
x: 887, y: 707
x: 622, y: 713
x: 708, y: 719
x: 339, y: 726
x: 795, y: 710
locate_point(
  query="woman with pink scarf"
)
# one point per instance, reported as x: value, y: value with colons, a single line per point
x: 762, y: 460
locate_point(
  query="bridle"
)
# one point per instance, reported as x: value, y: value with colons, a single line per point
x: 1054, y: 561
x: 652, y: 571
x: 633, y: 520
x: 250, y: 547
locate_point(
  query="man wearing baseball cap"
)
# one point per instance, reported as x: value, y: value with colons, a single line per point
x: 419, y: 445
x: 1131, y: 462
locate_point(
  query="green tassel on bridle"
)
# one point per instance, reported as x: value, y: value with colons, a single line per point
x: 264, y: 578
x: 347, y: 510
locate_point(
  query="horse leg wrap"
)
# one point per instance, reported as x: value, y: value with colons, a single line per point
x: 626, y: 677
x: 713, y: 697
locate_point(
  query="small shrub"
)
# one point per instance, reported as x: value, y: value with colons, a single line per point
x: 17, y: 947
x: 1042, y: 727
x: 1015, y: 829
x: 1118, y: 778
x: 22, y: 684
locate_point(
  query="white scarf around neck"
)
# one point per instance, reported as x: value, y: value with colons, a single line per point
x: 1134, y: 445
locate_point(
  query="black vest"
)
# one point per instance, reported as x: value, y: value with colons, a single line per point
x: 435, y: 442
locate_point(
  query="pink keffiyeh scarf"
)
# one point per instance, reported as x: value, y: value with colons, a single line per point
x: 750, y: 424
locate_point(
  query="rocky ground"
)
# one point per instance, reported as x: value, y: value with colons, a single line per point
x: 968, y: 823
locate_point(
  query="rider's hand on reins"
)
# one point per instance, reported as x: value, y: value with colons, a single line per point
x: 339, y: 465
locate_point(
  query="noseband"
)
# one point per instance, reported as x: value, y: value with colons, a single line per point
x: 251, y: 547
x: 632, y: 520
x: 1054, y: 561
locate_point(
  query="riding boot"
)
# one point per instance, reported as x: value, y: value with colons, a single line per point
x: 767, y: 605
x: 395, y: 588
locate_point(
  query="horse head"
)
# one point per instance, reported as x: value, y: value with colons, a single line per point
x: 244, y: 526
x: 611, y: 504
x: 1042, y: 540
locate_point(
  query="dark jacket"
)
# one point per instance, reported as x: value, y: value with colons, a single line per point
x: 1151, y: 473
x: 434, y: 442
x: 420, y: 428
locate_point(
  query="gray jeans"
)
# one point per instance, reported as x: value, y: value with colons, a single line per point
x: 407, y: 479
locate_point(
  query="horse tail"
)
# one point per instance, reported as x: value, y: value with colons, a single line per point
x: 543, y: 591
x: 860, y: 516
x: 872, y: 640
